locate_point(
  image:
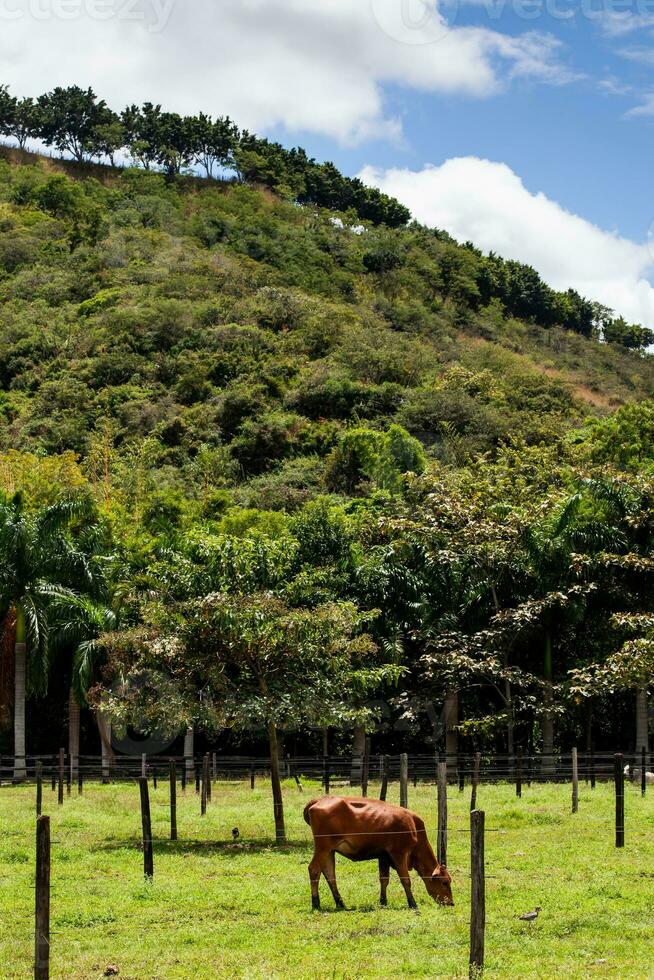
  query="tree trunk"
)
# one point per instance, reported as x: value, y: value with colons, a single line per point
x: 104, y: 728
x: 189, y: 749
x: 508, y: 693
x: 548, y: 718
x: 642, y: 720
x: 451, y: 712
x: 510, y: 721
x: 278, y: 800
x: 20, y: 674
x: 589, y: 727
x: 73, y: 734
x: 358, y: 749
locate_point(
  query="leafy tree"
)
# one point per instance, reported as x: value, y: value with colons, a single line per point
x: 20, y: 119
x: 70, y: 118
x: 633, y: 336
x: 624, y: 440
x: 382, y: 457
x: 213, y: 142
x: 109, y: 138
x: 258, y: 662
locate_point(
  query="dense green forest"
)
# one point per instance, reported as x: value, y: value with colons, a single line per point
x: 308, y: 464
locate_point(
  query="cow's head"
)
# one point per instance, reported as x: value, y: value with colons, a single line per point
x: 439, y: 885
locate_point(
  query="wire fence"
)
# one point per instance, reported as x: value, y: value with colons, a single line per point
x: 335, y: 770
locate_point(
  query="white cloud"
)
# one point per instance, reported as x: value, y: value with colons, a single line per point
x: 619, y: 24
x: 642, y: 55
x: 487, y: 203
x: 646, y: 107
x: 321, y: 65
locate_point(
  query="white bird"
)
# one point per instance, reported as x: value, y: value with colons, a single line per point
x: 531, y: 916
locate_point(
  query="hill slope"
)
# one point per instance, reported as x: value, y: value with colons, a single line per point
x: 197, y: 336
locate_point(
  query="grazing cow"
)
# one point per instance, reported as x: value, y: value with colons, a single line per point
x: 368, y: 830
x: 635, y: 775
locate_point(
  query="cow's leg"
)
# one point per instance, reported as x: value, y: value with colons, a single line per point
x: 328, y: 868
x: 314, y: 878
x: 403, y: 873
x: 384, y: 876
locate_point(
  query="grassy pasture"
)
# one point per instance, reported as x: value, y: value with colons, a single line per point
x: 242, y: 910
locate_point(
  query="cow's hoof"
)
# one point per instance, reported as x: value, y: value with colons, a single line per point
x: 383, y: 901
x: 315, y: 904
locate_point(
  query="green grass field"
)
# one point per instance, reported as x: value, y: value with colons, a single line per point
x: 219, y: 909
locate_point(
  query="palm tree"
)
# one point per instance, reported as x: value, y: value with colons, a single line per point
x: 78, y: 625
x: 590, y: 521
x: 39, y: 563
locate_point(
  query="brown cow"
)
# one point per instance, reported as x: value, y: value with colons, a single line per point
x: 368, y: 830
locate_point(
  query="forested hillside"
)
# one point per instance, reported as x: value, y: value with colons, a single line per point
x: 296, y: 409
x: 224, y: 338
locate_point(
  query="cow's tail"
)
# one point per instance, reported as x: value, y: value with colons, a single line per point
x: 306, y: 810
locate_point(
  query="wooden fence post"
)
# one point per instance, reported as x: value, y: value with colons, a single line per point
x: 478, y: 893
x: 39, y: 788
x: 42, y: 902
x: 383, y: 792
x: 461, y: 771
x: 208, y: 776
x: 441, y: 840
x: 69, y: 775
x: 173, y: 800
x: 197, y: 780
x: 62, y: 765
x: 144, y: 765
x: 404, y: 780
x: 575, y: 782
x: 251, y: 777
x: 592, y: 766
x: 183, y: 775
x: 518, y: 774
x: 619, y: 800
x: 365, y: 772
x: 214, y: 767
x: 146, y: 823
x: 643, y: 771
x: 53, y: 777
x: 205, y: 780
x: 80, y: 778
x: 475, y: 781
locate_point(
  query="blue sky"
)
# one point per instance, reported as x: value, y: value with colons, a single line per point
x: 574, y: 140
x: 511, y: 124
